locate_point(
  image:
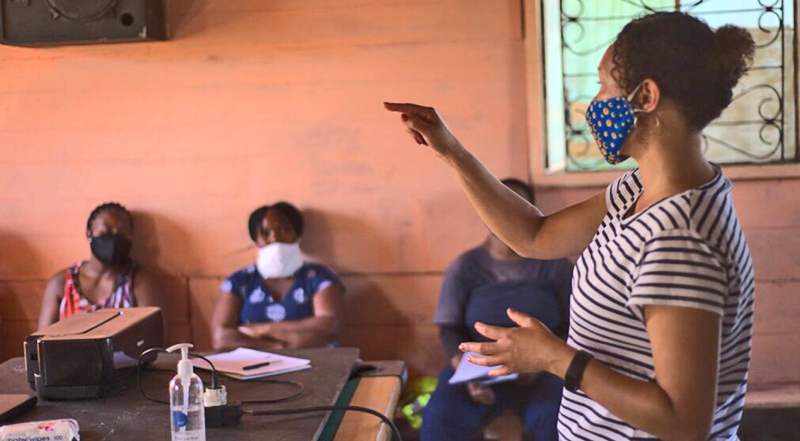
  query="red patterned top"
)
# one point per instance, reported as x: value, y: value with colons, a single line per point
x: 74, y: 302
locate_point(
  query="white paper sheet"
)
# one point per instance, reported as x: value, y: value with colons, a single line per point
x: 232, y: 363
x: 467, y: 371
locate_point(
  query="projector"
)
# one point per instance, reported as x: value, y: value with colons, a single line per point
x: 85, y: 356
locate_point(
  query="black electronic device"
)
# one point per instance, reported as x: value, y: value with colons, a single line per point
x: 60, y: 22
x: 83, y: 356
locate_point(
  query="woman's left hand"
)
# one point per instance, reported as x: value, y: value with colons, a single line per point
x: 529, y: 348
x: 255, y: 330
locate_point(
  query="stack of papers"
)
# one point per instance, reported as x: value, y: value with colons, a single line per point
x: 467, y: 371
x: 246, y: 364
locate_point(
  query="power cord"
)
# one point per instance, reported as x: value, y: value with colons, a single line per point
x: 298, y: 385
x: 230, y: 415
x: 367, y: 410
x: 214, y: 376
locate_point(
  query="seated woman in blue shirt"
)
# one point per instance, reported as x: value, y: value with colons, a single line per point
x: 280, y: 301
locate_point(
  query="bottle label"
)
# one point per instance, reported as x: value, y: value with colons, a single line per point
x: 185, y: 428
x: 193, y: 435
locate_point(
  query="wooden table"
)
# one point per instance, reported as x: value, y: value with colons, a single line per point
x: 127, y: 416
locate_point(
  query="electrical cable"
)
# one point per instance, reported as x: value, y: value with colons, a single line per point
x: 255, y: 412
x: 214, y: 375
x: 300, y: 387
x: 367, y: 410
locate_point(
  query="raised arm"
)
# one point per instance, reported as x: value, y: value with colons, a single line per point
x: 511, y: 218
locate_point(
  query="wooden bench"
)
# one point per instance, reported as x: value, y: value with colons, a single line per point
x: 773, y: 396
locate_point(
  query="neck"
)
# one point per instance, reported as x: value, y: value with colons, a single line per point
x: 499, y: 250
x: 670, y: 164
x: 97, y: 267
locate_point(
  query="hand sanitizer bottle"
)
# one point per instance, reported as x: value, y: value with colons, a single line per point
x: 186, y: 400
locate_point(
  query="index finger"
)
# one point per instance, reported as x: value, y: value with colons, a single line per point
x: 479, y: 348
x: 404, y: 107
x: 492, y: 332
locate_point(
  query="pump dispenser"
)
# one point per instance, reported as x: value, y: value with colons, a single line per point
x: 186, y: 400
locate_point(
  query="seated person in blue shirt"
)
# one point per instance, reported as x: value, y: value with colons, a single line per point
x: 479, y: 286
x: 280, y: 301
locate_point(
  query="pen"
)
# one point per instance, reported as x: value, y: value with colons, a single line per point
x: 256, y: 366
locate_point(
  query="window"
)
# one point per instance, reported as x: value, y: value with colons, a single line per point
x: 760, y: 125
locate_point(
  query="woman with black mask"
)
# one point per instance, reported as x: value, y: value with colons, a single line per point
x: 109, y: 279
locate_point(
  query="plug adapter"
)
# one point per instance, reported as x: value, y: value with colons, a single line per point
x: 226, y: 415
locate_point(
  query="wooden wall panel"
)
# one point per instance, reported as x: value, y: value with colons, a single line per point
x: 249, y: 103
x: 256, y: 101
x: 418, y: 345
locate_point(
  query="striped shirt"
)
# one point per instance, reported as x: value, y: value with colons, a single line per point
x: 686, y: 250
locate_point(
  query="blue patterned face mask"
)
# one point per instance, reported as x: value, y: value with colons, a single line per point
x: 611, y: 121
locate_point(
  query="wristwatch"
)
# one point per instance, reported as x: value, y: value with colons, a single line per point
x: 574, y: 375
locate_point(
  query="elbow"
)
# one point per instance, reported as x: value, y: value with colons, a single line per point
x: 218, y: 345
x: 219, y: 340
x: 527, y: 250
x: 528, y: 247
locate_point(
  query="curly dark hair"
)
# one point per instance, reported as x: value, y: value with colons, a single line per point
x: 107, y: 207
x: 694, y: 66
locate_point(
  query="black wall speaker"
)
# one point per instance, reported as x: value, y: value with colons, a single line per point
x: 57, y: 22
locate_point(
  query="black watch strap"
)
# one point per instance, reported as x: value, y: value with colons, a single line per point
x: 574, y: 375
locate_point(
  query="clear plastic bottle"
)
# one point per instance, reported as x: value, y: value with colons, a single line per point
x: 187, y: 413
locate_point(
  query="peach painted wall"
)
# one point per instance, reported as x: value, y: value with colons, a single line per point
x: 254, y: 101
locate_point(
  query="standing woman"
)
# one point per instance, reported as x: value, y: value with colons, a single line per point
x: 662, y: 302
x: 109, y: 279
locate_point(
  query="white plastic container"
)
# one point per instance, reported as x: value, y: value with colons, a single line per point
x: 187, y: 413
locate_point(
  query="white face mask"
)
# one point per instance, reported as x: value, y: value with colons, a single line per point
x: 279, y: 260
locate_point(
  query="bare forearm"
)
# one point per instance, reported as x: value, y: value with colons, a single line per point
x: 308, y: 332
x: 642, y: 404
x: 230, y: 338
x: 507, y: 215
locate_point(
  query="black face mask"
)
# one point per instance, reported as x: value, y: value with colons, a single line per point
x: 111, y: 249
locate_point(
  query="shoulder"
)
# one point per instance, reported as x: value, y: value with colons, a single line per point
x: 708, y: 202
x: 317, y: 271
x: 244, y: 273
x: 57, y: 281
x: 142, y: 274
x: 699, y: 212
x: 147, y: 288
x: 468, y: 260
x: 239, y: 278
x: 681, y: 246
x: 624, y: 188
